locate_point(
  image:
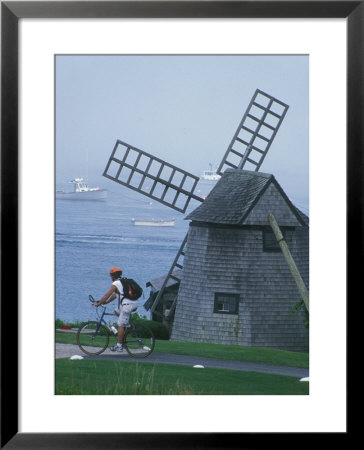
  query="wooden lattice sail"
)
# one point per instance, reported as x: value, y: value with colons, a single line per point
x: 255, y: 133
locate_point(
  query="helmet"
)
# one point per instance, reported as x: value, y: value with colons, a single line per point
x: 115, y: 270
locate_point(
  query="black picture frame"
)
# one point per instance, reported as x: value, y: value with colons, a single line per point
x: 11, y: 13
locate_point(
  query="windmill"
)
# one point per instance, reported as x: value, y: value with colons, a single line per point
x: 175, y: 188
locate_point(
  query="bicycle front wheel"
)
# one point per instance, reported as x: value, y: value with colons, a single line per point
x: 139, y: 341
x: 92, y: 338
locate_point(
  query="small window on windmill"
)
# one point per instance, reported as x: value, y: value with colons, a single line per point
x: 225, y: 303
x: 270, y: 243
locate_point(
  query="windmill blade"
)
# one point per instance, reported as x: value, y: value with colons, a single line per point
x: 255, y: 133
x: 151, y: 176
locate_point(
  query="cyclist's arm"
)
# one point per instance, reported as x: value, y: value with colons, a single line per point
x: 113, y: 297
x: 108, y: 297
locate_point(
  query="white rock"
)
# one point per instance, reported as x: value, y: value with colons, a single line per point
x: 198, y: 366
x: 76, y: 357
x: 305, y: 379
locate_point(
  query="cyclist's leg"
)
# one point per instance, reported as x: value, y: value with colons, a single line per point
x: 123, y: 314
x: 123, y: 322
x: 119, y: 336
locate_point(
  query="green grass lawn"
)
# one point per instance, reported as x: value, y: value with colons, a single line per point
x: 231, y: 352
x: 235, y: 353
x: 98, y: 377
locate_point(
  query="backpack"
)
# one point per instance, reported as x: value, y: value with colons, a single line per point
x: 131, y: 288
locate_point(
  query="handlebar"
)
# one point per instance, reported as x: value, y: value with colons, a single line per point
x: 92, y: 300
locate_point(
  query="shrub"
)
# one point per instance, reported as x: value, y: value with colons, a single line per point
x: 136, y: 316
x: 159, y: 330
x: 76, y: 324
x: 59, y: 323
x: 300, y: 306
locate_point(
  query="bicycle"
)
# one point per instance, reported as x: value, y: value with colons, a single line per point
x: 93, y: 336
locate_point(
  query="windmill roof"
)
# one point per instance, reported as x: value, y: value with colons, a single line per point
x: 234, y: 196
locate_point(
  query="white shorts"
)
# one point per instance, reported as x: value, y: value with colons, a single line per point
x: 126, y: 308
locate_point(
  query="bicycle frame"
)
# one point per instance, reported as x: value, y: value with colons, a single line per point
x: 102, y: 320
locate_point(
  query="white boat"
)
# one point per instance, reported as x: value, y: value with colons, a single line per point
x: 154, y: 223
x: 82, y: 192
x: 210, y: 175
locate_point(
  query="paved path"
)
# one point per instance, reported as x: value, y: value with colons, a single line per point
x: 68, y: 350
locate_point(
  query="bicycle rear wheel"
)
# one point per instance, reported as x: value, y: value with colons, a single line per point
x: 139, y: 341
x: 90, y: 341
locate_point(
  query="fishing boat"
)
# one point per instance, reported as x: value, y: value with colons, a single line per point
x: 82, y: 191
x: 210, y: 175
x: 153, y: 223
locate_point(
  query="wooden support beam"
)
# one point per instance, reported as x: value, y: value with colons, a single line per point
x: 290, y: 261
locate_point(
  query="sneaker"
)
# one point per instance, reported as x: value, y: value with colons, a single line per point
x: 116, y: 348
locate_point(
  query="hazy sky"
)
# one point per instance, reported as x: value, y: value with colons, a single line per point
x: 183, y: 109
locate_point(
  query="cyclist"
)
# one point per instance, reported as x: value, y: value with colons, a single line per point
x: 125, y: 305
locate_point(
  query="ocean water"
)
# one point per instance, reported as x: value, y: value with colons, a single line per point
x: 93, y: 236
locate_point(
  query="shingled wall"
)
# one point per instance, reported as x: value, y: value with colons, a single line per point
x: 272, y: 201
x: 225, y: 254
x: 234, y: 262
